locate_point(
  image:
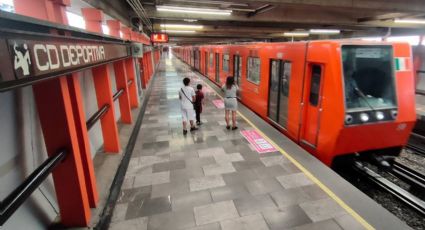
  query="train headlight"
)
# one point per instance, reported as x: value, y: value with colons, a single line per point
x: 348, y: 119
x: 364, y: 117
x: 379, y: 116
x: 394, y: 114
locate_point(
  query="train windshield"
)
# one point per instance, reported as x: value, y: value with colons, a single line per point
x: 368, y: 77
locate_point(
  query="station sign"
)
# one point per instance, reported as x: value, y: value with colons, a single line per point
x: 30, y: 58
x: 159, y: 37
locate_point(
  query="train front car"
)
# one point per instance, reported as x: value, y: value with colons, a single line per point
x: 376, y: 104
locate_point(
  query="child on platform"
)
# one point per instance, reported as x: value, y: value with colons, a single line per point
x: 199, y: 97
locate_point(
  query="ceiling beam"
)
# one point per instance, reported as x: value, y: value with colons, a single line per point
x: 279, y: 15
x: 381, y: 5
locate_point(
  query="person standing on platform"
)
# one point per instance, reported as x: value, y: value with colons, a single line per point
x: 187, y: 97
x: 230, y: 101
x: 198, y: 103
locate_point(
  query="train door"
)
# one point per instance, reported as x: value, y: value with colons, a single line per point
x: 217, y: 67
x: 312, y: 105
x: 280, y: 72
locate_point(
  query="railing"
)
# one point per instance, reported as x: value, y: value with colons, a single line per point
x: 18, y: 196
x: 118, y: 94
x: 96, y: 116
x: 102, y: 111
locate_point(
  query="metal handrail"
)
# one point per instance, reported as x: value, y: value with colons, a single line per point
x: 18, y: 196
x: 99, y: 114
x: 118, y: 94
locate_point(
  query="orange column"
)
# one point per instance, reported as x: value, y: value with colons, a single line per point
x: 142, y: 72
x: 114, y: 28
x: 131, y: 76
x: 102, y: 84
x: 124, y: 99
x: 83, y: 139
x: 126, y: 33
x: 56, y: 112
x: 121, y: 76
x: 93, y: 18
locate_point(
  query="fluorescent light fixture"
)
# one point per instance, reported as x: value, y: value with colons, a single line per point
x: 410, y: 21
x: 412, y: 40
x: 190, y: 20
x: 7, y: 2
x: 179, y: 31
x: 371, y: 39
x: 167, y: 26
x: 105, y: 29
x: 75, y: 20
x: 296, y: 34
x: 193, y: 10
x: 324, y: 31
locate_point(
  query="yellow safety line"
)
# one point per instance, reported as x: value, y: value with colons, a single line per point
x: 310, y: 175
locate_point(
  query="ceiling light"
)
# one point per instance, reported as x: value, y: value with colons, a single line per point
x: 410, y: 21
x: 192, y: 10
x: 296, y: 34
x: 324, y: 31
x: 181, y: 26
x: 190, y: 20
x: 179, y: 31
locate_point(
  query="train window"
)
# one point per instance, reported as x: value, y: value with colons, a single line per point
x: 226, y: 61
x: 253, y: 70
x: 368, y: 77
x: 211, y: 59
x: 316, y: 75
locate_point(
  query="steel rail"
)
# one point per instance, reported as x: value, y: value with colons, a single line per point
x: 409, y: 174
x: 403, y: 195
x: 97, y: 116
x: 18, y: 196
x: 118, y: 94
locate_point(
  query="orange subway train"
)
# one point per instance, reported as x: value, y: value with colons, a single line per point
x: 334, y: 98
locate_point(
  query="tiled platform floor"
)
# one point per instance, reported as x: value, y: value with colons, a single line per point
x: 212, y: 178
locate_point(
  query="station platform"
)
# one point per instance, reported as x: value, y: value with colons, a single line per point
x: 213, y: 178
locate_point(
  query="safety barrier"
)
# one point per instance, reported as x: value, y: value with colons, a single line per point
x: 18, y: 196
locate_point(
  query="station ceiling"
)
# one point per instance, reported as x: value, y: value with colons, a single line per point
x: 268, y: 20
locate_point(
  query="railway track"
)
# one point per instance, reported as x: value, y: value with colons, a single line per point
x: 403, y: 195
x: 413, y: 177
x: 415, y: 147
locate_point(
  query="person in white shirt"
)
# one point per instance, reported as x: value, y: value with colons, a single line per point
x: 187, y: 97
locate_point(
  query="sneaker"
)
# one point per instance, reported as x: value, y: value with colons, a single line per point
x: 184, y: 131
x: 193, y: 129
x: 198, y: 123
x: 236, y: 127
